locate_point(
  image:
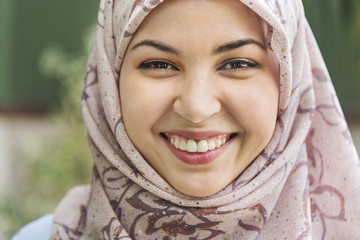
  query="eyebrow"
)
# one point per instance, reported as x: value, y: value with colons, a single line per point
x: 237, y: 44
x: 157, y: 45
x: 223, y: 48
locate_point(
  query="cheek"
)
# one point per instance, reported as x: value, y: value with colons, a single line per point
x: 142, y: 104
x: 266, y: 112
x: 255, y: 107
x: 136, y: 105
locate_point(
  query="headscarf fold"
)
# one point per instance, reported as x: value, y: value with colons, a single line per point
x: 303, y: 185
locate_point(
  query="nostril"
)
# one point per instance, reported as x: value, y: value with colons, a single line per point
x: 197, y: 110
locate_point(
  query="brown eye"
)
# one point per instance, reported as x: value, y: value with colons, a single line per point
x: 156, y: 65
x: 240, y: 64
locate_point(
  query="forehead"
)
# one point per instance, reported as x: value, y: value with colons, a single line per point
x: 187, y: 21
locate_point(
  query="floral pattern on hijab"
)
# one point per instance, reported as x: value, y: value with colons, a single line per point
x: 304, y: 185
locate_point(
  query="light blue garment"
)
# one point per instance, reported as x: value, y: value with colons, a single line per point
x: 39, y: 229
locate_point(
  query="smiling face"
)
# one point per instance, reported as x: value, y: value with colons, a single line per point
x: 199, y: 92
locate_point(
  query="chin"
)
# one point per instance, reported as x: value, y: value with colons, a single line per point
x: 196, y: 188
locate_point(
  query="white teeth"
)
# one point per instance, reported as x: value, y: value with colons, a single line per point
x: 212, y: 144
x: 190, y: 145
x: 218, y: 142
x: 177, y: 142
x: 202, y: 146
x: 183, y: 144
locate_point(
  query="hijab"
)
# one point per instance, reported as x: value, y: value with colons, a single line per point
x: 303, y: 185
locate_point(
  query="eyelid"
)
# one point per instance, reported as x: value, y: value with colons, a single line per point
x: 243, y: 60
x: 146, y: 64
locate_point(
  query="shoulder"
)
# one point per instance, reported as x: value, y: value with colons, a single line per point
x: 68, y: 209
x: 39, y: 229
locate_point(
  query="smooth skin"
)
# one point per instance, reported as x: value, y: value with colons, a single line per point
x: 200, y: 65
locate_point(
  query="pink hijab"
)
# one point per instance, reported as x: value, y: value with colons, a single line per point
x: 304, y: 184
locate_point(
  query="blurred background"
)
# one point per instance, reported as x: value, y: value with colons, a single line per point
x: 43, y: 52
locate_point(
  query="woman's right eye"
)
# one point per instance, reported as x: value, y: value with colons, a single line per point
x: 156, y: 65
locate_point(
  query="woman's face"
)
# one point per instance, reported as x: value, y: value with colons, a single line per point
x: 199, y: 92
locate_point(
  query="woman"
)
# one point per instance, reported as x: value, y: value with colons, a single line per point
x: 211, y: 119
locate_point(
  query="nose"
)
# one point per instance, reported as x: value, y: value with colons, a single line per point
x: 197, y: 99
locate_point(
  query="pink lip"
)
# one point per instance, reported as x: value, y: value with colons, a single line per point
x: 197, y: 158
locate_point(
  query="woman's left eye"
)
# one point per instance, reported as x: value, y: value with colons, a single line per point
x: 240, y: 64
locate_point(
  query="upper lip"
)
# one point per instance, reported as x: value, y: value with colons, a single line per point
x: 196, y: 135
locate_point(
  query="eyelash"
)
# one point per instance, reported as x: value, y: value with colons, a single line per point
x: 157, y: 65
x: 241, y: 64
x: 228, y: 66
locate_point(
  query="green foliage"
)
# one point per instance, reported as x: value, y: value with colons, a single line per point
x: 336, y: 26
x: 52, y: 166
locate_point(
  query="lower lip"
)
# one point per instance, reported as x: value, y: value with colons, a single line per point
x: 197, y: 158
